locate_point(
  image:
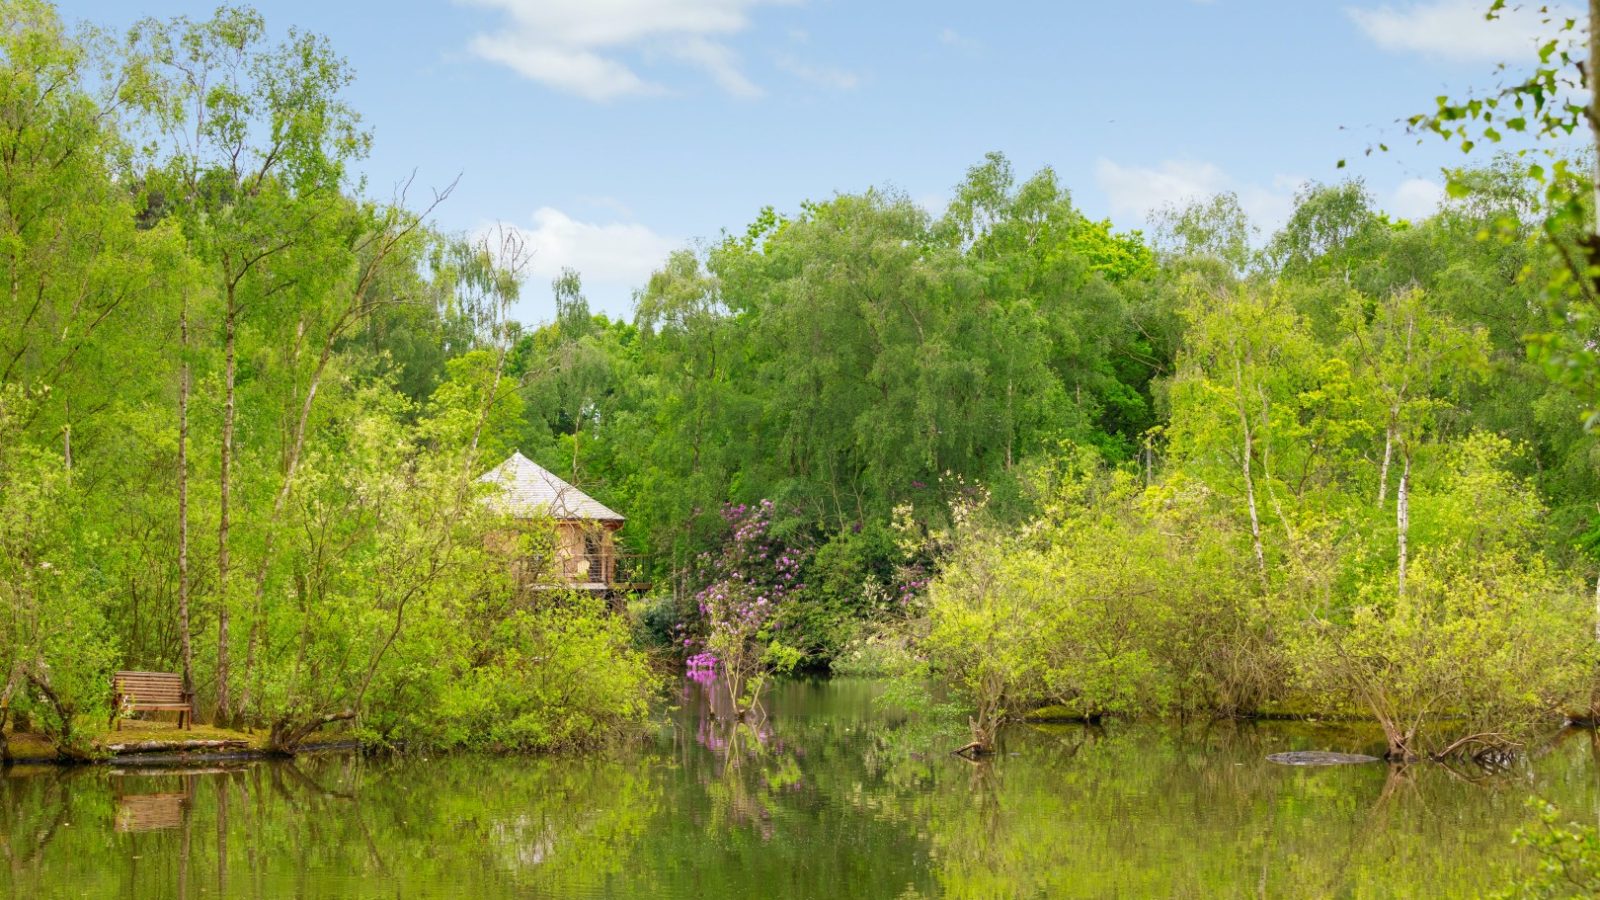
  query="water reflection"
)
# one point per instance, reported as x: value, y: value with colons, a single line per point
x: 829, y: 796
x: 154, y: 811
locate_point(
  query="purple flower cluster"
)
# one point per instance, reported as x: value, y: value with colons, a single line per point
x: 748, y: 580
x: 911, y: 582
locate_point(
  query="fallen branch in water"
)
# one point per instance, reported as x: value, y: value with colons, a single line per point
x: 1488, y: 742
x: 178, y: 746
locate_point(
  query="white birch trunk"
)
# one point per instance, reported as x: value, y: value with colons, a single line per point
x: 183, y: 497
x: 1383, y: 470
x: 1249, y: 480
x: 1403, y: 515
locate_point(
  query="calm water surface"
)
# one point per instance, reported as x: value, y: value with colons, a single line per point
x: 835, y: 796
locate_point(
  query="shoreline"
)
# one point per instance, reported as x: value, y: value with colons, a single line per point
x: 161, y: 748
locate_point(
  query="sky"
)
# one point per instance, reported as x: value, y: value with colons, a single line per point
x: 611, y: 132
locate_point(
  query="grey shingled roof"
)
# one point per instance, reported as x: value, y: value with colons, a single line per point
x: 529, y: 490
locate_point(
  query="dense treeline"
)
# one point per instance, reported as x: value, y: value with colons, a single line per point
x: 242, y: 406
x: 857, y: 357
x: 1368, y: 499
x: 1318, y: 472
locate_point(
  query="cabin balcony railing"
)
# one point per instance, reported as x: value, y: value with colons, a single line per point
x: 598, y: 572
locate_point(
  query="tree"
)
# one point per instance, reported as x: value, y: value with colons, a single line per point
x: 1542, y: 103
x: 262, y: 141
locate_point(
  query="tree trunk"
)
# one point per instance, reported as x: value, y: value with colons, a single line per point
x: 183, y: 496
x: 1399, y: 743
x: 1597, y: 586
x: 7, y: 691
x: 287, y: 735
x: 1383, y: 470
x: 223, y: 511
x: 1594, y: 690
x: 1011, y: 421
x: 1403, y: 515
x: 1250, y: 482
x: 66, y: 441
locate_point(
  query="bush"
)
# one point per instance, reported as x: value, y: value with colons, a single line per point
x: 1487, y: 627
x: 655, y: 622
x: 880, y: 652
x: 557, y: 673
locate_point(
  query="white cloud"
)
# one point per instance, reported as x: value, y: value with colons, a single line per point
x: 1134, y: 192
x: 718, y: 61
x: 953, y: 38
x: 577, y: 45
x: 838, y: 79
x: 613, y: 257
x: 1457, y: 30
x: 1415, y: 198
x: 1137, y: 191
x: 576, y: 72
x: 611, y: 251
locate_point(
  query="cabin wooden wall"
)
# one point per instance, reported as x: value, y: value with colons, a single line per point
x: 570, y: 563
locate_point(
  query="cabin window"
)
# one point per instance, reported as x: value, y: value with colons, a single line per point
x: 594, y: 551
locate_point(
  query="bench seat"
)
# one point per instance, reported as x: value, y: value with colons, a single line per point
x: 153, y: 692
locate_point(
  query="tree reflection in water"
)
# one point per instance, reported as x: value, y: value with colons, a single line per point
x: 830, y: 796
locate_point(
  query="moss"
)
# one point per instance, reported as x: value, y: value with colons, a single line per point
x: 1058, y: 713
x: 33, y: 747
x: 135, y: 730
x: 27, y: 747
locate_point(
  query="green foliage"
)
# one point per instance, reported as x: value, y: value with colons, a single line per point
x: 1549, y: 98
x: 344, y: 370
x: 1568, y: 856
x: 1484, y: 629
x: 556, y: 676
x: 654, y: 617
x: 1253, y: 570
x: 1215, y: 478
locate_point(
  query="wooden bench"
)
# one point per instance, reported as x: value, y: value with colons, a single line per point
x: 155, y: 691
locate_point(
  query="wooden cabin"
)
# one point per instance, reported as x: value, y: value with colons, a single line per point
x: 585, y: 555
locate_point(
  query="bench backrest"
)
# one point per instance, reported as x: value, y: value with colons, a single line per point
x: 151, y: 687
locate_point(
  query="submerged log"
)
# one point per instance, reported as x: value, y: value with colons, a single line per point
x: 1320, y: 758
x: 178, y: 746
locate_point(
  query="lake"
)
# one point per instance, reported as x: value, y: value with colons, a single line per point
x: 834, y: 796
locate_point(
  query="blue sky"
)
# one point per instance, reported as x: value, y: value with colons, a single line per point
x: 611, y: 131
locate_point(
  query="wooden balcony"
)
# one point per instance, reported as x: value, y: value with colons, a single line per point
x: 602, y: 573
